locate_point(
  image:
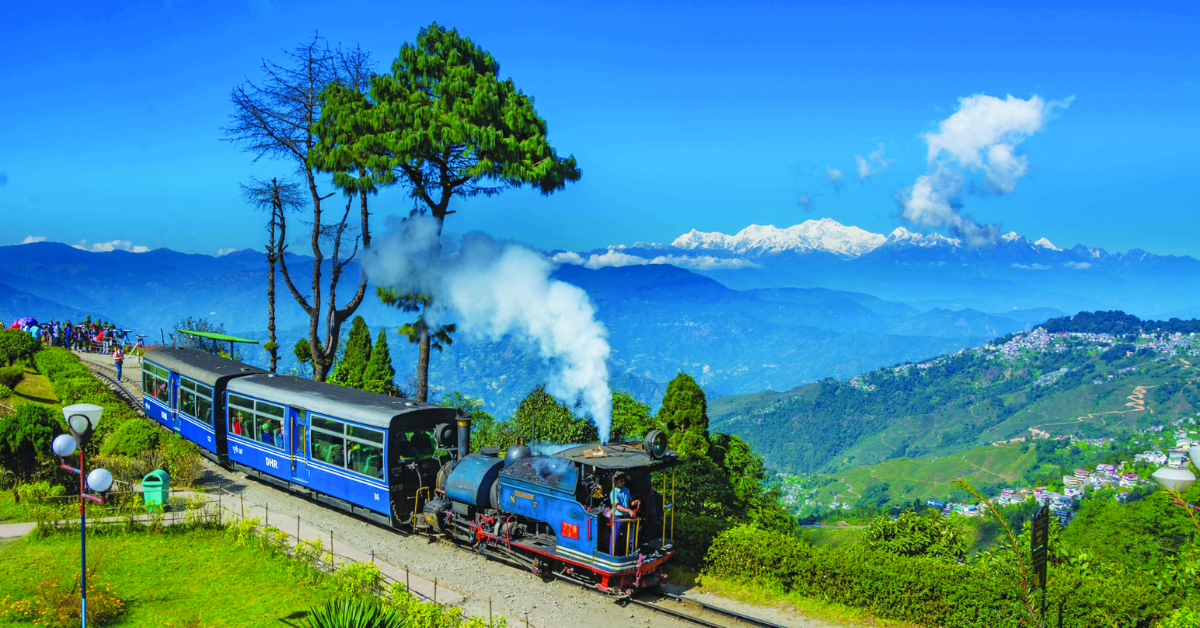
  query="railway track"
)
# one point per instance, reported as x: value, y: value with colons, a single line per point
x: 698, y: 613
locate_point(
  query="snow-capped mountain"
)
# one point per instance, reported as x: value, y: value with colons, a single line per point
x: 826, y: 235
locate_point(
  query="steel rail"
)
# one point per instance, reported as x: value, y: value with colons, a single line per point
x: 716, y: 610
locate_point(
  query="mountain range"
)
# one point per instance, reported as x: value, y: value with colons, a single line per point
x: 661, y: 319
x: 925, y: 270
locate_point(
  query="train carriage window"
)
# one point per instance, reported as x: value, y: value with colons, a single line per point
x: 195, y: 400
x: 364, y: 453
x: 415, y: 445
x: 155, y: 382
x: 328, y: 448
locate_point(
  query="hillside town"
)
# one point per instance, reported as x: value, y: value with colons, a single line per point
x: 1167, y: 446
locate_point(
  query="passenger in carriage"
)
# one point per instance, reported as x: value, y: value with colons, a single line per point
x: 279, y: 440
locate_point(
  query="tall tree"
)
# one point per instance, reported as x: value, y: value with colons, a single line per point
x: 277, y: 197
x: 353, y: 364
x: 685, y: 411
x: 445, y: 124
x: 428, y: 338
x: 275, y: 118
x: 379, y: 376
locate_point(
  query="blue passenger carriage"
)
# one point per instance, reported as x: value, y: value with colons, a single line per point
x: 184, y: 390
x: 366, y: 453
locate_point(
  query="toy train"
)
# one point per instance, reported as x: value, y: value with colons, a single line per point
x: 408, y: 465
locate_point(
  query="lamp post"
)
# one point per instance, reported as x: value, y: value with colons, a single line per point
x: 82, y: 419
x: 1176, y: 481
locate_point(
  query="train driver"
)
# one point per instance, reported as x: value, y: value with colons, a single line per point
x: 620, y: 498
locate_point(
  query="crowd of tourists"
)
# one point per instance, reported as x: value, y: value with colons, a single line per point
x: 85, y: 337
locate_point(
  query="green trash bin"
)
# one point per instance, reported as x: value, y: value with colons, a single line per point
x: 156, y: 488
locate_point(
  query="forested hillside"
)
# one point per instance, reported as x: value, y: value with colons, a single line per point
x: 1065, y: 382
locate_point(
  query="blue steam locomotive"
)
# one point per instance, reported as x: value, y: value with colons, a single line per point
x: 406, y: 464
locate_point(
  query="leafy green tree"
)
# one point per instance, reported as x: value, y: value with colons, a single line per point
x: 909, y: 534
x: 25, y: 439
x: 17, y: 345
x: 352, y: 366
x: 445, y: 124
x: 542, y: 419
x: 685, y: 412
x: 379, y: 376
x: 631, y: 419
x: 486, y: 431
x: 303, y: 352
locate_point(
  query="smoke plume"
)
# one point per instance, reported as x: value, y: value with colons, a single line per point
x: 974, y: 150
x: 492, y: 289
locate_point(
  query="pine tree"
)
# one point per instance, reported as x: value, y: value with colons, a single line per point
x: 379, y: 374
x: 685, y: 410
x: 350, y: 369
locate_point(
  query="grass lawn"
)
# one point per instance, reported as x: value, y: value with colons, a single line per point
x: 34, y: 387
x: 169, y: 579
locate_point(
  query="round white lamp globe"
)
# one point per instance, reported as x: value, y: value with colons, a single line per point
x: 1175, y: 479
x: 1194, y: 452
x: 63, y: 445
x: 100, y: 480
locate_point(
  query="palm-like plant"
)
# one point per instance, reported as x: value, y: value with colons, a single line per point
x: 355, y: 612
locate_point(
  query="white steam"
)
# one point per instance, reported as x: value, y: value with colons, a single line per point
x: 491, y: 289
x: 974, y: 150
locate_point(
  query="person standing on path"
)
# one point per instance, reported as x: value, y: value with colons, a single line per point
x: 118, y: 357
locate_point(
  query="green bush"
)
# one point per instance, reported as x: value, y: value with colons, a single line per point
x: 38, y: 490
x: 5, y: 392
x: 17, y: 345
x: 930, y: 591
x: 181, y: 459
x: 130, y: 439
x: 693, y: 536
x: 10, y: 375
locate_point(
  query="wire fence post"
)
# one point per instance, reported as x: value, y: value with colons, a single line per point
x: 243, y: 498
x: 489, y: 611
x: 407, y: 586
x: 435, y: 589
x: 267, y: 515
x: 526, y: 620
x: 220, y: 518
x: 297, y: 529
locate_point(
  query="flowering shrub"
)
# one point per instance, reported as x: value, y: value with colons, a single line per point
x: 54, y: 606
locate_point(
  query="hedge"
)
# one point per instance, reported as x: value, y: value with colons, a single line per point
x: 928, y: 591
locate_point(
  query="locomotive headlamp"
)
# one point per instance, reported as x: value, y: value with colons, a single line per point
x: 655, y: 444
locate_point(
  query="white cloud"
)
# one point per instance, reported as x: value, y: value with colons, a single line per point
x: 975, y: 148
x: 805, y: 202
x: 874, y: 163
x: 833, y: 177
x: 223, y: 252
x: 617, y: 259
x: 1078, y: 265
x: 33, y: 239
x: 108, y: 247
x: 1031, y: 266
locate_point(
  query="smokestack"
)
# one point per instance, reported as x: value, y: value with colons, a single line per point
x: 464, y: 436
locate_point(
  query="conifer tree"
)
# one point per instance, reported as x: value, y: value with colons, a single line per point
x: 685, y: 411
x: 379, y: 374
x: 350, y: 369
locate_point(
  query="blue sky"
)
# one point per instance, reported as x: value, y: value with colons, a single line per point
x: 706, y: 116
